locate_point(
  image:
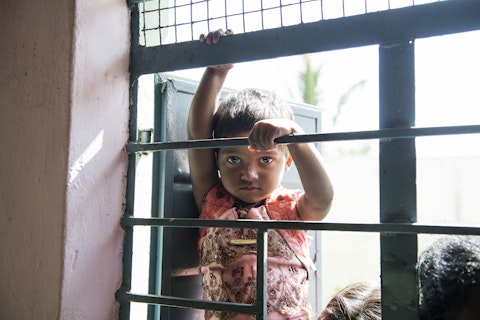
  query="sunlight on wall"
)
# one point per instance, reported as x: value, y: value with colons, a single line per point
x: 90, y: 152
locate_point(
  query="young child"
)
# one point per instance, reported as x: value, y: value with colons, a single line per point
x: 358, y: 301
x: 244, y: 183
x: 449, y: 279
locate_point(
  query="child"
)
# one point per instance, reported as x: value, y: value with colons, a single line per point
x: 359, y: 301
x: 244, y: 183
x: 449, y: 279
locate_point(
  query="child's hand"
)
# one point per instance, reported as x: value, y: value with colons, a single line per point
x: 264, y: 132
x: 213, y: 37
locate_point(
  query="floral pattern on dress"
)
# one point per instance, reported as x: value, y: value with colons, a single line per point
x: 230, y: 272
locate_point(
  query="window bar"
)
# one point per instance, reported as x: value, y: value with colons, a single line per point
x: 191, y: 17
x: 226, y: 14
x: 159, y: 270
x: 124, y: 296
x: 262, y: 254
x: 383, y: 134
x: 208, y: 16
x: 262, y: 14
x: 301, y: 11
x: 144, y: 29
x: 397, y: 173
x: 169, y: 301
x: 436, y: 19
x: 159, y: 4
x: 281, y: 14
x: 124, y: 310
x: 175, y: 20
x: 243, y: 16
x: 386, y: 228
x: 321, y: 10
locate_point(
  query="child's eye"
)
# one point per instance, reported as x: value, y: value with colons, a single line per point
x: 233, y: 159
x: 266, y: 159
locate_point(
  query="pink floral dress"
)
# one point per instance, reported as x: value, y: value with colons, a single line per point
x: 228, y: 260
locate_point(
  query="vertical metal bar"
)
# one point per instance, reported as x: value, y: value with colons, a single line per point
x: 262, y: 254
x: 144, y: 23
x: 156, y: 272
x: 225, y: 4
x: 192, y: 21
x: 321, y: 9
x: 175, y: 21
x: 243, y: 15
x: 301, y: 11
x: 281, y: 14
x: 160, y: 11
x: 398, y: 181
x: 124, y: 311
x: 208, y: 16
x: 262, y: 14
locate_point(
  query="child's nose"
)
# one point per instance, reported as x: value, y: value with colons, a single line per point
x: 249, y: 173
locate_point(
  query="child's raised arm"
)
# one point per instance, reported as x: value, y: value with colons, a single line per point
x: 203, y: 169
x: 317, y: 199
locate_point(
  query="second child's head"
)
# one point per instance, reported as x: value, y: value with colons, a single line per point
x: 250, y: 175
x: 449, y: 279
x: 359, y: 301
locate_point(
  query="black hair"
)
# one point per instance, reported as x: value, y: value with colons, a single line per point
x: 238, y: 112
x: 446, y: 271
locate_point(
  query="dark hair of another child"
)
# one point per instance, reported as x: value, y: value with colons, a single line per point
x: 449, y: 279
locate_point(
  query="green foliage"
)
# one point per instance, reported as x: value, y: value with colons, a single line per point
x: 309, y: 82
x: 311, y: 94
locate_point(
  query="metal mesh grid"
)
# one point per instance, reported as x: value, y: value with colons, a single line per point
x: 165, y: 22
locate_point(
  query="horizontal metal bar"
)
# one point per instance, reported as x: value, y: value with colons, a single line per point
x: 396, y: 133
x: 179, y: 302
x: 433, y: 19
x: 303, y: 225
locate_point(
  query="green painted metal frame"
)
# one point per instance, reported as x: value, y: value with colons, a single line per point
x: 398, y: 194
x: 394, y: 33
x: 383, y: 134
x: 433, y: 19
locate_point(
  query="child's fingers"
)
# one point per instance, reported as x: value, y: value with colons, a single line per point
x: 214, y: 36
x: 261, y: 138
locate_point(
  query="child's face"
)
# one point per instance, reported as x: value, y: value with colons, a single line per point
x: 252, y: 175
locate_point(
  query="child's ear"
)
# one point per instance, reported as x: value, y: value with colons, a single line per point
x: 289, y: 163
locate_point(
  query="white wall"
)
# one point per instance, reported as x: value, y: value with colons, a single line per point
x: 63, y: 125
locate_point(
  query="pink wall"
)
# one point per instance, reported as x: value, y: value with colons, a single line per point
x: 63, y: 125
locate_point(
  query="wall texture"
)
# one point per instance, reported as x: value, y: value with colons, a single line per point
x: 63, y: 125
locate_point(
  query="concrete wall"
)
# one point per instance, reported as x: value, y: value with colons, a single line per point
x: 63, y: 125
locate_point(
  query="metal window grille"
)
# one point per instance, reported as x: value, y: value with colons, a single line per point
x: 390, y: 27
x: 172, y: 21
